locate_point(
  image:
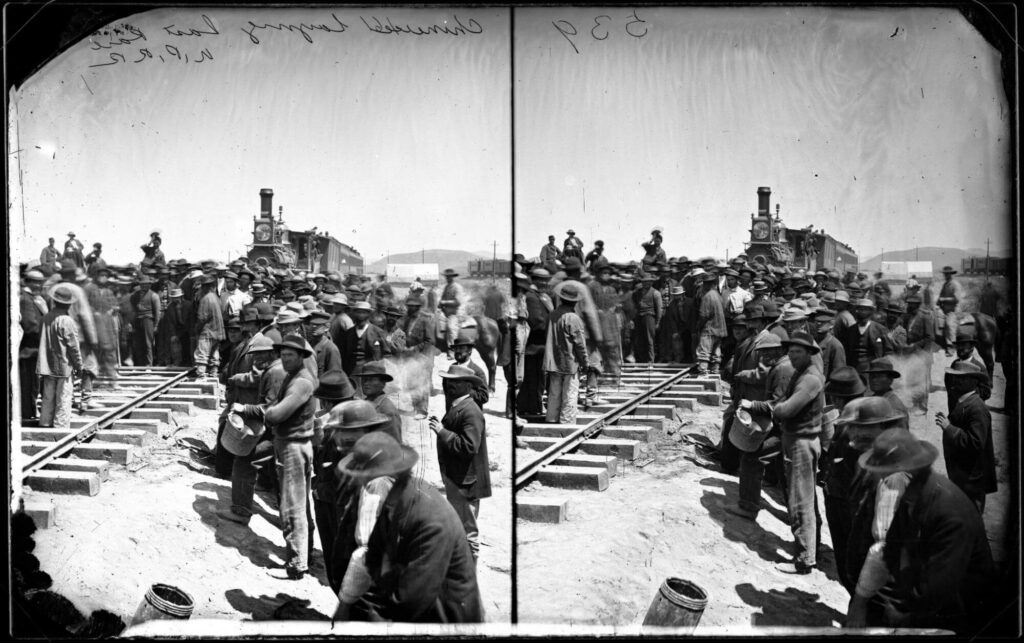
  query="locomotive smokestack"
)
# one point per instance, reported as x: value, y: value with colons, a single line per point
x: 764, y: 195
x: 266, y: 203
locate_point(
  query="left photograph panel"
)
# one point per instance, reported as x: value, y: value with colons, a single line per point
x: 261, y: 265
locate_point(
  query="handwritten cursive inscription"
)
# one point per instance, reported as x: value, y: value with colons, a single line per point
x: 386, y: 27
x: 304, y: 29
x: 211, y: 30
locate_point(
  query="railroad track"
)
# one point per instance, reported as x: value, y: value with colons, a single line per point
x: 587, y: 455
x: 76, y: 460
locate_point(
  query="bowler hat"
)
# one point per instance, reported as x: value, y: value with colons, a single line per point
x: 749, y: 430
x: 334, y: 386
x: 377, y: 454
x: 868, y: 411
x: 568, y: 291
x: 965, y: 334
x: 845, y: 381
x: 897, y: 450
x: 373, y: 369
x: 456, y: 372
x: 241, y: 435
x: 800, y: 338
x: 883, y: 365
x: 294, y: 342
x: 62, y: 295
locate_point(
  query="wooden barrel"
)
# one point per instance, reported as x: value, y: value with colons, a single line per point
x: 679, y: 603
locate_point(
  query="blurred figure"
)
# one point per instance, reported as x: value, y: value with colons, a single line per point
x: 49, y: 258
x: 32, y: 309
x: 921, y: 346
x: 73, y: 250
x: 950, y: 295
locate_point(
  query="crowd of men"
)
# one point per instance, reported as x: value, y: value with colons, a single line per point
x: 308, y: 365
x: 811, y: 359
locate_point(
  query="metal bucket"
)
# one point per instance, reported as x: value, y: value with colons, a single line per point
x: 163, y: 602
x: 679, y: 604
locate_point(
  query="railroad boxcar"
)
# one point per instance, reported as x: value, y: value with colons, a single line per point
x: 275, y: 245
x: 985, y: 265
x: 773, y: 244
x: 488, y: 267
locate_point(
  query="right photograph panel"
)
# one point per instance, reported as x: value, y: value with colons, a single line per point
x: 767, y: 351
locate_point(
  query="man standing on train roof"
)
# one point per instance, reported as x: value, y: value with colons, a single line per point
x: 73, y: 250
x: 453, y: 291
x: 950, y: 295
x: 653, y: 252
x: 49, y: 258
x: 594, y: 254
x: 572, y: 246
x: 153, y: 255
x: 549, y: 254
x: 93, y: 260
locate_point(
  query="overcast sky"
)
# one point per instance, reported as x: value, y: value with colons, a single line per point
x: 390, y: 142
x: 886, y: 127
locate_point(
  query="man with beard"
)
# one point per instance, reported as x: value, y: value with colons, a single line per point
x: 833, y: 356
x: 373, y: 379
x: 867, y: 339
x: 880, y: 378
x: 364, y: 342
x: 463, y: 351
x: 967, y: 434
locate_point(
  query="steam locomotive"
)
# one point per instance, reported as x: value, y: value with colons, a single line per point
x: 773, y: 244
x: 276, y: 246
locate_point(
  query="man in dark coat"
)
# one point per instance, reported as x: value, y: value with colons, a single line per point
x: 936, y: 551
x: 967, y: 434
x: 364, y: 342
x: 32, y: 308
x: 463, y: 350
x: 417, y: 558
x: 462, y: 452
x: 373, y: 377
x: 867, y: 339
x: 538, y: 309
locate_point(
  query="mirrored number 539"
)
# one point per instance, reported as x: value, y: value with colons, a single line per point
x: 635, y: 26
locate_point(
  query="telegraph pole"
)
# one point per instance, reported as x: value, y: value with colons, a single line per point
x: 494, y: 259
x: 987, y: 241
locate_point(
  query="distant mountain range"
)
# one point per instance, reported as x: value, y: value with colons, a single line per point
x: 455, y: 259
x: 938, y: 256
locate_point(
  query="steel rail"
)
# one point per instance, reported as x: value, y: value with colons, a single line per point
x: 68, y: 442
x: 593, y: 427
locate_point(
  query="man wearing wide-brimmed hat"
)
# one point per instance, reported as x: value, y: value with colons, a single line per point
x: 938, y: 563
x: 951, y: 293
x: 711, y: 327
x: 344, y: 515
x: 208, y: 330
x: 453, y: 292
x: 148, y: 310
x: 565, y: 354
x: 88, y: 339
x: 59, y: 360
x: 861, y: 421
x: 373, y: 377
x: 103, y: 303
x: 881, y: 374
x: 462, y: 451
x: 798, y: 413
x: 290, y: 418
x: 32, y: 307
x: 463, y: 351
x: 967, y: 433
x: 833, y: 355
x: 328, y: 357
x: 418, y: 565
x: 758, y: 438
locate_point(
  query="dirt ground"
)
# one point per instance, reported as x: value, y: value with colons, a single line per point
x: 667, y: 519
x: 159, y: 525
